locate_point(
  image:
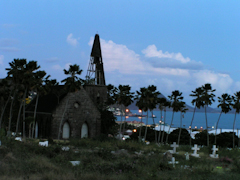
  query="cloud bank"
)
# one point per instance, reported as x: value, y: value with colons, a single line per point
x: 167, y: 71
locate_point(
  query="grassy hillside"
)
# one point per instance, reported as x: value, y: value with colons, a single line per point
x: 111, y: 160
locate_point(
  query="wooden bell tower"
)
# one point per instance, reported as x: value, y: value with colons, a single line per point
x: 95, y: 72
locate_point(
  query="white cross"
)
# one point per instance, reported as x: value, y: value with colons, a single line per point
x: 195, y: 148
x: 174, y: 145
x: 187, y: 156
x: 173, y: 162
x: 214, y: 155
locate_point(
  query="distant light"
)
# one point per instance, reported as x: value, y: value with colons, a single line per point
x: 160, y: 121
x: 195, y: 127
x: 201, y: 127
x: 189, y: 127
x: 127, y: 110
x: 127, y: 117
x: 140, y: 110
x: 134, y: 130
x: 213, y: 127
x: 123, y: 138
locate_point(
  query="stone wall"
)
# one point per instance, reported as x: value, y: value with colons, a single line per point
x: 97, y: 93
x: 86, y: 112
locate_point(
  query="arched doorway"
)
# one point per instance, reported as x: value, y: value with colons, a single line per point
x: 66, y: 131
x: 84, y: 130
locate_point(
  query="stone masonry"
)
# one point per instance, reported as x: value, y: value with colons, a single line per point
x: 86, y: 112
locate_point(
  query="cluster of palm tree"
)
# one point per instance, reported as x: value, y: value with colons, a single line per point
x: 148, y: 99
x: 23, y: 78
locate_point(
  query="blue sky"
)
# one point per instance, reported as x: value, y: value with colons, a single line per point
x: 175, y: 45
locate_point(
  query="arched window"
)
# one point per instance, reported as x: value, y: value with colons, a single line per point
x: 84, y: 130
x: 66, y: 131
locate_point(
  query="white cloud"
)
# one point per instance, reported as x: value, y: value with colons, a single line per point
x: 72, y: 41
x: 1, y: 59
x: 123, y: 66
x: 57, y: 67
x: 151, y: 51
x: 67, y: 66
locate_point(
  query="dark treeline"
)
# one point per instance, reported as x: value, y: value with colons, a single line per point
x: 24, y: 78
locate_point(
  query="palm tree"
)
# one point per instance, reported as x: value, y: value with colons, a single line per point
x: 5, y: 94
x: 161, y: 103
x: 175, y: 98
x: 141, y: 103
x: 153, y: 101
x: 183, y: 109
x: 236, y: 106
x: 39, y: 89
x: 198, y: 103
x: 207, y: 99
x: 166, y: 104
x: 225, y: 102
x: 72, y: 84
x: 111, y: 94
x: 124, y: 98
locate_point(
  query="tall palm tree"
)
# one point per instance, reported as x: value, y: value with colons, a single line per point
x: 5, y: 94
x: 175, y: 99
x: 236, y: 106
x: 166, y: 104
x: 40, y: 89
x: 183, y: 110
x: 225, y: 102
x: 153, y: 101
x: 161, y: 103
x: 72, y: 84
x: 124, y: 98
x: 197, y: 102
x: 207, y: 99
x: 141, y: 103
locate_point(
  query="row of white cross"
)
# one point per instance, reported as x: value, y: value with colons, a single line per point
x: 195, y: 148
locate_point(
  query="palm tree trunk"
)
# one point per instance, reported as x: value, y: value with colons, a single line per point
x: 24, y: 102
x: 140, y: 135
x: 3, y: 110
x: 233, y: 128
x: 19, y: 112
x: 179, y: 135
x: 190, y: 140
x: 215, y: 142
x: 10, y: 115
x: 154, y: 128
x: 206, y: 125
x: 34, y: 116
x: 164, y: 125
x: 60, y: 125
x: 159, y: 135
x: 120, y: 129
x: 169, y: 127
x: 145, y: 135
x: 124, y: 121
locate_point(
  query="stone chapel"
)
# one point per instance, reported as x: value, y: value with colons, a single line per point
x: 76, y: 114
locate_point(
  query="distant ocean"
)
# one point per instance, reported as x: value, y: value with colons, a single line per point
x: 226, y: 120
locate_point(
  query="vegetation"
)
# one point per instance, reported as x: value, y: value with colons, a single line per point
x: 111, y: 160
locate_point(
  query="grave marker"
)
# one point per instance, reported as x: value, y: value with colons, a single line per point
x: 75, y: 163
x: 45, y: 143
x: 18, y: 139
x: 214, y: 155
x: 187, y: 156
x: 173, y: 162
x: 65, y: 148
x: 195, y: 149
x: 174, y: 145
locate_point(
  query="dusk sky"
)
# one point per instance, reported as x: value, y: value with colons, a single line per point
x: 174, y: 45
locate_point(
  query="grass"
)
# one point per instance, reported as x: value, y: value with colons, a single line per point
x: 27, y: 160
